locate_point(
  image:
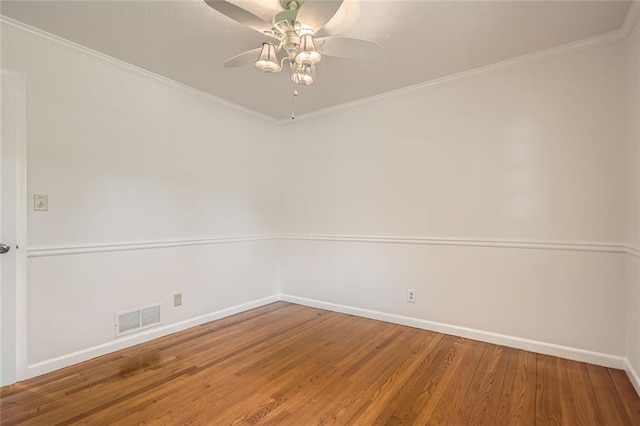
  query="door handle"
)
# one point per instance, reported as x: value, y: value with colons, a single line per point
x: 4, y: 248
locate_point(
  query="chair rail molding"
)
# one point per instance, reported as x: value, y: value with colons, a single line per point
x: 373, y: 239
x: 471, y: 242
x: 141, y: 245
x: 633, y: 251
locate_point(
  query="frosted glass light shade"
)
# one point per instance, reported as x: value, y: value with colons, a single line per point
x: 267, y: 62
x: 307, y: 52
x: 303, y: 75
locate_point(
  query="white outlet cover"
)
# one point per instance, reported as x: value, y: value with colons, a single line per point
x: 40, y: 202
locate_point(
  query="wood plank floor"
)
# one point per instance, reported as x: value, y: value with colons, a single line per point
x: 292, y: 365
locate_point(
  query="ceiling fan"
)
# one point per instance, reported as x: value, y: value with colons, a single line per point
x: 294, y: 32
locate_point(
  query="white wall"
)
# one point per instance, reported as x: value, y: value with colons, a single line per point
x: 128, y: 158
x: 633, y: 211
x: 528, y: 153
x: 500, y: 198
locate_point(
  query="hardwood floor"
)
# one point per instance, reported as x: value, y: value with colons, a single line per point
x: 293, y: 365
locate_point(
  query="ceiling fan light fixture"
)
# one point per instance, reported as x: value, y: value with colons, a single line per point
x: 294, y: 28
x: 268, y: 62
x: 303, y: 74
x: 307, y: 51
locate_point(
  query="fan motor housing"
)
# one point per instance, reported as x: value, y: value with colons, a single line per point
x: 285, y: 21
x: 290, y: 44
x: 292, y: 4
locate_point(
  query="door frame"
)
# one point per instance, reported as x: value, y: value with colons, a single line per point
x: 18, y: 81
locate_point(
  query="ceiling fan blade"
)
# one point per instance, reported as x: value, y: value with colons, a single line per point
x: 240, y: 15
x: 347, y: 47
x: 245, y: 58
x: 316, y: 13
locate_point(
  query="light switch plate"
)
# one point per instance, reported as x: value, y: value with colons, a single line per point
x: 40, y: 202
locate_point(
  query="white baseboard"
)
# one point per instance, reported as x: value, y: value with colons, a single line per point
x: 582, y: 355
x: 49, y: 365
x: 605, y: 360
x: 633, y: 375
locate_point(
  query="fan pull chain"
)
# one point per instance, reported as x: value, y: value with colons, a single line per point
x: 293, y: 103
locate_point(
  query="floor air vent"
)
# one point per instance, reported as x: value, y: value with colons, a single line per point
x: 139, y: 319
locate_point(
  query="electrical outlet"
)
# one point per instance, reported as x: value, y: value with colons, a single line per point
x: 40, y: 202
x: 177, y: 299
x: 411, y: 295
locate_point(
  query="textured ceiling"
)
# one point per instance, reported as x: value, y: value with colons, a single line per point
x: 188, y: 41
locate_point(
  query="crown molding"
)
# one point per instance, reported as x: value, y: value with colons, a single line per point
x: 621, y: 34
x: 629, y: 23
x: 12, y: 24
